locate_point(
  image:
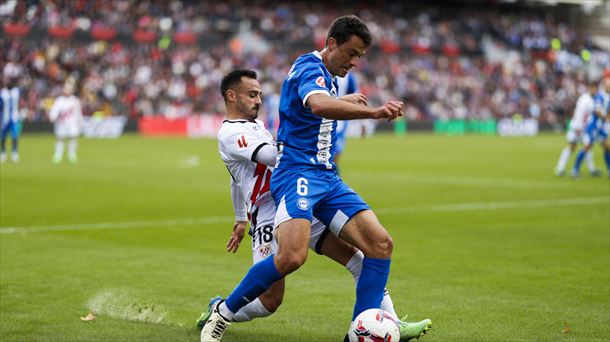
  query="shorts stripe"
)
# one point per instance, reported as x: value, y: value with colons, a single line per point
x: 337, y: 222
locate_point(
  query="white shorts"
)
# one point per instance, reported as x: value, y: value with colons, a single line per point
x: 67, y: 130
x: 574, y: 137
x: 264, y: 242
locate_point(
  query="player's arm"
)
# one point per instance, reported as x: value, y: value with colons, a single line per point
x: 54, y: 112
x: 355, y: 98
x: 327, y: 107
x: 265, y: 154
x: 241, y: 218
x: 241, y: 145
x: 79, y: 113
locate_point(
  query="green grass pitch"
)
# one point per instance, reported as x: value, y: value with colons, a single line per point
x: 488, y: 243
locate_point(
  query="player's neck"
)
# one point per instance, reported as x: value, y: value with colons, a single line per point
x: 324, y: 55
x: 235, y: 115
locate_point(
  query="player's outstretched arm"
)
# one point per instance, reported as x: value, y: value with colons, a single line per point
x: 330, y: 108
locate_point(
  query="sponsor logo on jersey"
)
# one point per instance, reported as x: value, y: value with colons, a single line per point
x: 242, y: 141
x: 320, y: 81
x: 303, y: 203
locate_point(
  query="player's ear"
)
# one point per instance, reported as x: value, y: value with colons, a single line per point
x: 231, y: 95
x: 332, y: 43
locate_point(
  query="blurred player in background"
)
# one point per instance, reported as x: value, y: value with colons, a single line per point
x: 597, y: 129
x: 347, y: 85
x: 574, y: 136
x: 305, y: 184
x: 67, y: 115
x: 9, y: 104
x: 249, y: 153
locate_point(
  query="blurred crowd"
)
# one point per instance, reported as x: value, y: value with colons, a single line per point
x: 445, y: 61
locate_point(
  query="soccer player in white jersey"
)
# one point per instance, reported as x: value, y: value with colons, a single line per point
x: 9, y: 104
x: 305, y: 184
x: 575, y: 134
x: 249, y: 152
x: 67, y: 115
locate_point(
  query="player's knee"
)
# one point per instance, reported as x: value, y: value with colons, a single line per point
x: 290, y: 262
x: 381, y: 247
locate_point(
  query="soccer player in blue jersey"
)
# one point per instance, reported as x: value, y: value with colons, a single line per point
x: 305, y: 183
x: 9, y: 104
x: 597, y: 129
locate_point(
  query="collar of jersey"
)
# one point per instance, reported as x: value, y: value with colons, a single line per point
x: 237, y: 121
x: 319, y: 56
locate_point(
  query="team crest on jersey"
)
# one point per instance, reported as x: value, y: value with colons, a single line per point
x: 242, y: 141
x: 321, y: 82
x: 303, y: 203
x: 264, y: 250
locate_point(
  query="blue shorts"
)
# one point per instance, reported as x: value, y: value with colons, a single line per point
x: 319, y: 193
x: 12, y: 127
x: 597, y: 132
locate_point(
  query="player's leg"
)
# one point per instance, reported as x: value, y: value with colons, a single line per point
x: 3, y: 133
x: 572, y: 139
x: 59, y: 150
x: 263, y: 306
x: 347, y: 255
x: 14, y: 128
x: 264, y: 243
x: 606, y: 146
x: 72, y: 146
x: 364, y: 231
x: 588, y: 141
x: 292, y: 236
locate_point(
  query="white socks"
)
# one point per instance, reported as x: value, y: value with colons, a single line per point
x: 563, y: 159
x: 565, y: 155
x: 59, y: 150
x: 72, y: 147
x: 253, y: 310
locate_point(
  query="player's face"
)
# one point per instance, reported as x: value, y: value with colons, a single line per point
x: 345, y: 56
x: 248, y: 98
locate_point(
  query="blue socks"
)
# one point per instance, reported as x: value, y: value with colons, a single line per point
x: 607, y: 159
x: 579, y: 158
x: 372, y: 282
x: 258, y: 279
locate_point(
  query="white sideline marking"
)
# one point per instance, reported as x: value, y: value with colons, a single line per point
x: 500, y: 205
x: 228, y: 219
x: 114, y: 225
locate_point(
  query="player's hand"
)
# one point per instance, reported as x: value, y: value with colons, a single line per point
x: 239, y: 228
x: 390, y: 110
x: 356, y: 99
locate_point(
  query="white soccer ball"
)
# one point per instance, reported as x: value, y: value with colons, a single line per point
x: 374, y: 325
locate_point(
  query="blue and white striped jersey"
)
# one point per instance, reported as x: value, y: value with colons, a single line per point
x: 308, y: 140
x: 10, y: 105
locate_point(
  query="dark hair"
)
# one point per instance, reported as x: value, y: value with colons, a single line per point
x: 233, y: 78
x: 346, y: 26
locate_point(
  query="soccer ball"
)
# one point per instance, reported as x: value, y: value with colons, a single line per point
x: 374, y: 325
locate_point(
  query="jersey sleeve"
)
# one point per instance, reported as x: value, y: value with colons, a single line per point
x: 239, y: 144
x: 313, y: 81
x: 54, y: 112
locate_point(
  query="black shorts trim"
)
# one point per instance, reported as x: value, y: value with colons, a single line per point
x: 320, y: 240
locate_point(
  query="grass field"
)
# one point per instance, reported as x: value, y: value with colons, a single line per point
x: 488, y: 243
